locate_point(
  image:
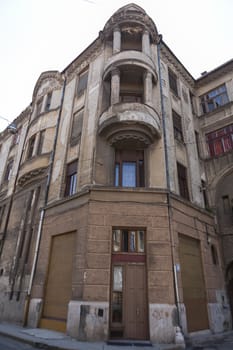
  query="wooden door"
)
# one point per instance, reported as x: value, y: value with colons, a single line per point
x: 59, y: 283
x: 135, y: 302
x: 194, y: 294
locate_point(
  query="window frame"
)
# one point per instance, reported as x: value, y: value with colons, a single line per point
x: 82, y: 83
x: 122, y: 157
x: 71, y: 178
x: 31, y: 146
x: 183, y: 181
x: 122, y: 232
x: 48, y: 101
x: 177, y: 127
x: 173, y: 82
x: 220, y: 141
x: 8, y: 170
x: 217, y: 100
x: 40, y: 142
x: 39, y: 105
x: 77, y: 126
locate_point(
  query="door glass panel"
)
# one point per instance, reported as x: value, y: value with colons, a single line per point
x: 117, y: 278
x: 129, y: 174
x: 117, y: 307
x: 116, y: 240
x: 132, y: 241
x: 140, y: 241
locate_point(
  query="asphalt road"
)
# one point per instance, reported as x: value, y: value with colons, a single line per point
x: 11, y: 344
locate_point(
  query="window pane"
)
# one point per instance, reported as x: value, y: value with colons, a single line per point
x: 132, y: 241
x: 117, y: 278
x: 73, y: 183
x: 116, y: 240
x: 117, y: 174
x: 117, y: 307
x: 124, y: 241
x: 129, y: 174
x: 140, y: 239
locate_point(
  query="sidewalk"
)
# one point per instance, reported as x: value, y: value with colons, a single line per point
x: 47, y: 339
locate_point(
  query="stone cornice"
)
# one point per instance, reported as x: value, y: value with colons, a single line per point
x: 131, y: 14
x: 168, y: 56
x: 81, y: 62
x: 47, y: 76
x: 216, y: 73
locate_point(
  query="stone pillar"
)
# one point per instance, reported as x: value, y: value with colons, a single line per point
x: 116, y: 40
x: 115, y: 86
x: 148, y: 88
x: 146, y: 43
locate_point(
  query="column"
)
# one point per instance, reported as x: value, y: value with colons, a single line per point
x: 115, y: 86
x: 146, y: 43
x: 148, y: 88
x: 116, y: 40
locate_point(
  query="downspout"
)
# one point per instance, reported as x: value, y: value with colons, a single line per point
x: 177, y: 299
x: 42, y: 213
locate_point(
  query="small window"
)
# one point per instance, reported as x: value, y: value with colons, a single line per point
x: 39, y: 107
x: 31, y: 144
x: 191, y: 96
x: 82, y: 84
x: 197, y: 139
x: 205, y: 198
x: 131, y: 40
x: 2, y: 211
x: 177, y: 126
x: 41, y: 142
x: 214, y: 99
x: 129, y: 168
x: 71, y: 179
x: 48, y: 102
x: 182, y: 181
x: 173, y: 82
x: 226, y: 204
x: 8, y: 171
x: 128, y: 241
x: 76, y: 127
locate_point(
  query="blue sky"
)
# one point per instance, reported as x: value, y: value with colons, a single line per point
x: 40, y: 35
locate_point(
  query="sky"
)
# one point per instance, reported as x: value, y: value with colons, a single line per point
x: 41, y: 35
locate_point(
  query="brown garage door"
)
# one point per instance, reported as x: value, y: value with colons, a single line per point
x: 59, y: 283
x: 193, y: 284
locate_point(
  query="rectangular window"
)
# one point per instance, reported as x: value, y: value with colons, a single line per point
x: 197, y: 139
x: 76, y: 127
x: 71, y: 179
x: 39, y: 107
x: 177, y: 126
x: 82, y: 84
x: 31, y: 144
x: 128, y: 241
x: 2, y: 211
x: 129, y: 168
x: 191, y: 96
x: 173, y: 82
x: 182, y: 181
x: 203, y: 188
x: 220, y: 141
x: 8, y: 171
x: 214, y: 99
x: 226, y: 204
x: 48, y: 101
x: 41, y: 142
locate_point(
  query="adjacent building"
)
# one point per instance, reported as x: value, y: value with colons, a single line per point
x: 116, y: 199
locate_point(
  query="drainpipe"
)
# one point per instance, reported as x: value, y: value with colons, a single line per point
x: 42, y: 213
x: 177, y: 299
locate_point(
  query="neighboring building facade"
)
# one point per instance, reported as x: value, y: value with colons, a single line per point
x: 116, y: 197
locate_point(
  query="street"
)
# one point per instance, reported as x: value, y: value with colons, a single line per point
x: 11, y: 344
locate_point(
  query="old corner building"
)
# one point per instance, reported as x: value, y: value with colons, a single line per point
x: 116, y: 194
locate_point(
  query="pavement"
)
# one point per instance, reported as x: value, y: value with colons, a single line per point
x: 47, y: 339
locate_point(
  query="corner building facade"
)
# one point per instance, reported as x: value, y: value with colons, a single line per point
x: 119, y: 235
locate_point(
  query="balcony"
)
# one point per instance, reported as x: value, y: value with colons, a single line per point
x: 132, y: 124
x: 33, y: 168
x: 130, y: 58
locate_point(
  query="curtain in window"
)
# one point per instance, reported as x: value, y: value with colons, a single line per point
x: 129, y: 174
